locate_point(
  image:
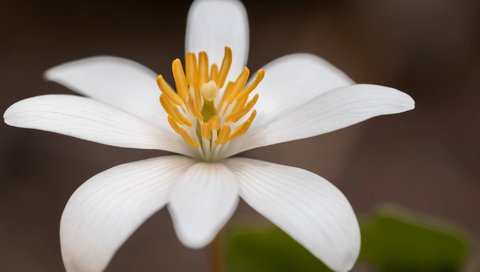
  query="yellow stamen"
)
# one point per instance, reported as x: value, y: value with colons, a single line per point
x: 193, y: 108
x: 238, y: 85
x: 252, y: 86
x: 214, y: 72
x: 252, y: 102
x: 189, y: 139
x: 183, y: 133
x: 226, y: 93
x: 224, y: 135
x: 167, y: 90
x: 202, y: 69
x: 191, y: 67
x: 238, y: 114
x: 240, y: 104
x: 205, y: 131
x: 204, y: 107
x: 226, y: 63
x: 195, y: 94
x: 174, y: 125
x: 180, y: 80
x: 241, y: 129
x: 214, y: 123
x: 173, y: 111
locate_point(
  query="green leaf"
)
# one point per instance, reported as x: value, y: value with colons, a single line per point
x: 397, y: 240
x: 267, y: 249
x: 392, y: 240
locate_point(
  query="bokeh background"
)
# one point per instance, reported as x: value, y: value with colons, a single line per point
x: 426, y: 160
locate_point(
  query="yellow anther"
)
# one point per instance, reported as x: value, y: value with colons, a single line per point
x: 180, y: 80
x: 180, y: 118
x: 197, y: 113
x: 252, y: 101
x: 202, y: 76
x: 214, y: 123
x: 241, y: 129
x: 173, y: 111
x: 253, y: 85
x: 189, y: 139
x: 196, y: 95
x: 205, y: 131
x: 183, y: 133
x: 240, y: 104
x: 224, y: 135
x: 209, y: 91
x: 238, y: 85
x: 214, y: 72
x: 238, y: 114
x: 226, y: 63
x: 226, y: 93
x: 191, y: 67
x: 193, y: 108
x: 167, y: 90
x: 174, y: 125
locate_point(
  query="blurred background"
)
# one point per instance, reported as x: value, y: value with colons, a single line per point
x: 426, y: 160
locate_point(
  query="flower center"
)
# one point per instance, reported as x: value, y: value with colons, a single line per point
x: 206, y: 114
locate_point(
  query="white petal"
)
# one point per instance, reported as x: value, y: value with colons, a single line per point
x: 202, y: 201
x: 109, y: 207
x: 115, y: 81
x: 306, y: 206
x: 332, y: 110
x: 91, y: 120
x: 214, y: 24
x: 293, y: 80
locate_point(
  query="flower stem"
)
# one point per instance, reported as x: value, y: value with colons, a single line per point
x: 216, y: 253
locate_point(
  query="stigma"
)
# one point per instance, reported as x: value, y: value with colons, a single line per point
x: 204, y: 109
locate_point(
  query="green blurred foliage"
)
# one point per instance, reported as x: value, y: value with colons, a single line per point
x: 267, y: 249
x: 395, y: 240
x: 392, y: 240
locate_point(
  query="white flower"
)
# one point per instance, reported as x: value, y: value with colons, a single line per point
x: 300, y: 96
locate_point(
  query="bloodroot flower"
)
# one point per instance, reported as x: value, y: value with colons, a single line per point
x: 211, y: 112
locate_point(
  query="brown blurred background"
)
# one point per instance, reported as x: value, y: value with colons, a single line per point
x: 426, y: 160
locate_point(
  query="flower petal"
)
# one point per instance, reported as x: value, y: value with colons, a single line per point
x: 306, y: 206
x: 118, y: 82
x: 332, y: 110
x: 109, y: 207
x: 214, y: 24
x: 293, y: 80
x: 202, y: 201
x: 91, y: 120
